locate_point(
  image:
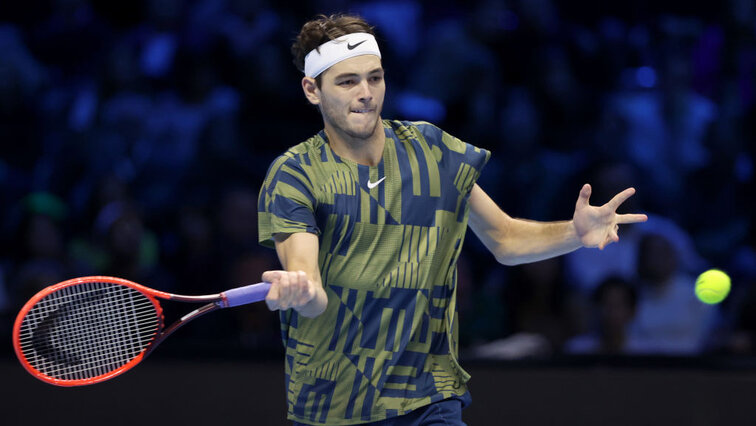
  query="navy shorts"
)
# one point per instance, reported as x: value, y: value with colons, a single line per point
x: 447, y: 412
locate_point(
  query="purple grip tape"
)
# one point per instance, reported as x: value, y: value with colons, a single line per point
x: 247, y: 294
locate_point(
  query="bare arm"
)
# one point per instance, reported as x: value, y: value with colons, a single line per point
x: 515, y: 241
x: 299, y: 285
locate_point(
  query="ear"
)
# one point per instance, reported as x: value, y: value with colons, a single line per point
x: 311, y: 91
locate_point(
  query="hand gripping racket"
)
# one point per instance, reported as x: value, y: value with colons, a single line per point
x: 91, y: 329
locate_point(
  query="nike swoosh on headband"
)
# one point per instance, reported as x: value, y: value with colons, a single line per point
x: 332, y: 52
x: 352, y: 46
x: 372, y: 185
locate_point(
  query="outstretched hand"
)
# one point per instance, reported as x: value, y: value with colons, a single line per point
x: 598, y: 226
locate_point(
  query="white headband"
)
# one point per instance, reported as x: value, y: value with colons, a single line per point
x: 336, y: 50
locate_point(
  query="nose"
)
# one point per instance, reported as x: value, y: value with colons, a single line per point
x: 366, y: 95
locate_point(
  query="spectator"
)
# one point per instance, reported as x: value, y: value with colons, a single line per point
x: 164, y: 105
x: 670, y: 319
x: 615, y: 301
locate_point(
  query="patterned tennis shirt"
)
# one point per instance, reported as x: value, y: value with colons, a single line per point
x: 389, y: 236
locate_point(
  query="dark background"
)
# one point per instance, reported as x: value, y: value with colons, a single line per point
x: 222, y: 392
x: 134, y: 137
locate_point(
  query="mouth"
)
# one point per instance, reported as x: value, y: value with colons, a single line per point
x: 362, y: 111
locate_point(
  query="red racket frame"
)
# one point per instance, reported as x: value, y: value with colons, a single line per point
x: 214, y: 302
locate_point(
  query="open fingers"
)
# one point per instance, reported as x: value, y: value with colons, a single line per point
x: 614, y: 234
x: 620, y: 198
x: 584, y: 197
x: 631, y: 218
x: 612, y: 237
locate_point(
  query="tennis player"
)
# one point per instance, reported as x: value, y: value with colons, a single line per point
x: 368, y: 217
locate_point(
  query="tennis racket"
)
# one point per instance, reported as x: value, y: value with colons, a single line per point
x: 91, y: 329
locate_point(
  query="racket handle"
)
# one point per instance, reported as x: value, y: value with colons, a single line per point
x: 244, y: 295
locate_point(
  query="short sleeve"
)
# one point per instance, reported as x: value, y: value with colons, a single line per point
x: 463, y: 161
x: 286, y: 203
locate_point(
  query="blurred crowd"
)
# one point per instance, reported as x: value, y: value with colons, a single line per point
x: 134, y: 137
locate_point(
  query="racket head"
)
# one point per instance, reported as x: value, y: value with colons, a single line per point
x: 86, y: 330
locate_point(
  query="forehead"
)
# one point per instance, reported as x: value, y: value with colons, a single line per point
x: 357, y: 65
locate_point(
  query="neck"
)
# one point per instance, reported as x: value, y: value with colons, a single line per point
x: 367, y: 151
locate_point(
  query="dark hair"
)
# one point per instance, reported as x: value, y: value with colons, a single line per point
x: 323, y: 29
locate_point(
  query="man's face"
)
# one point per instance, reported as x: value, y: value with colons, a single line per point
x: 351, y: 96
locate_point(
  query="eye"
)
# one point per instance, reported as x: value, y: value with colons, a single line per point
x: 345, y: 83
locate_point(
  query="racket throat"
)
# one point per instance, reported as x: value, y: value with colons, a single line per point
x: 181, y: 322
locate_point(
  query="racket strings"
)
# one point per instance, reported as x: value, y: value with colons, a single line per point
x: 87, y: 330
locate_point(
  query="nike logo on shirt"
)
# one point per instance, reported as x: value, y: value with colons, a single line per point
x: 352, y: 46
x: 372, y: 185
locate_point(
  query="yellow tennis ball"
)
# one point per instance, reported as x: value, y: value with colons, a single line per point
x: 712, y: 286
